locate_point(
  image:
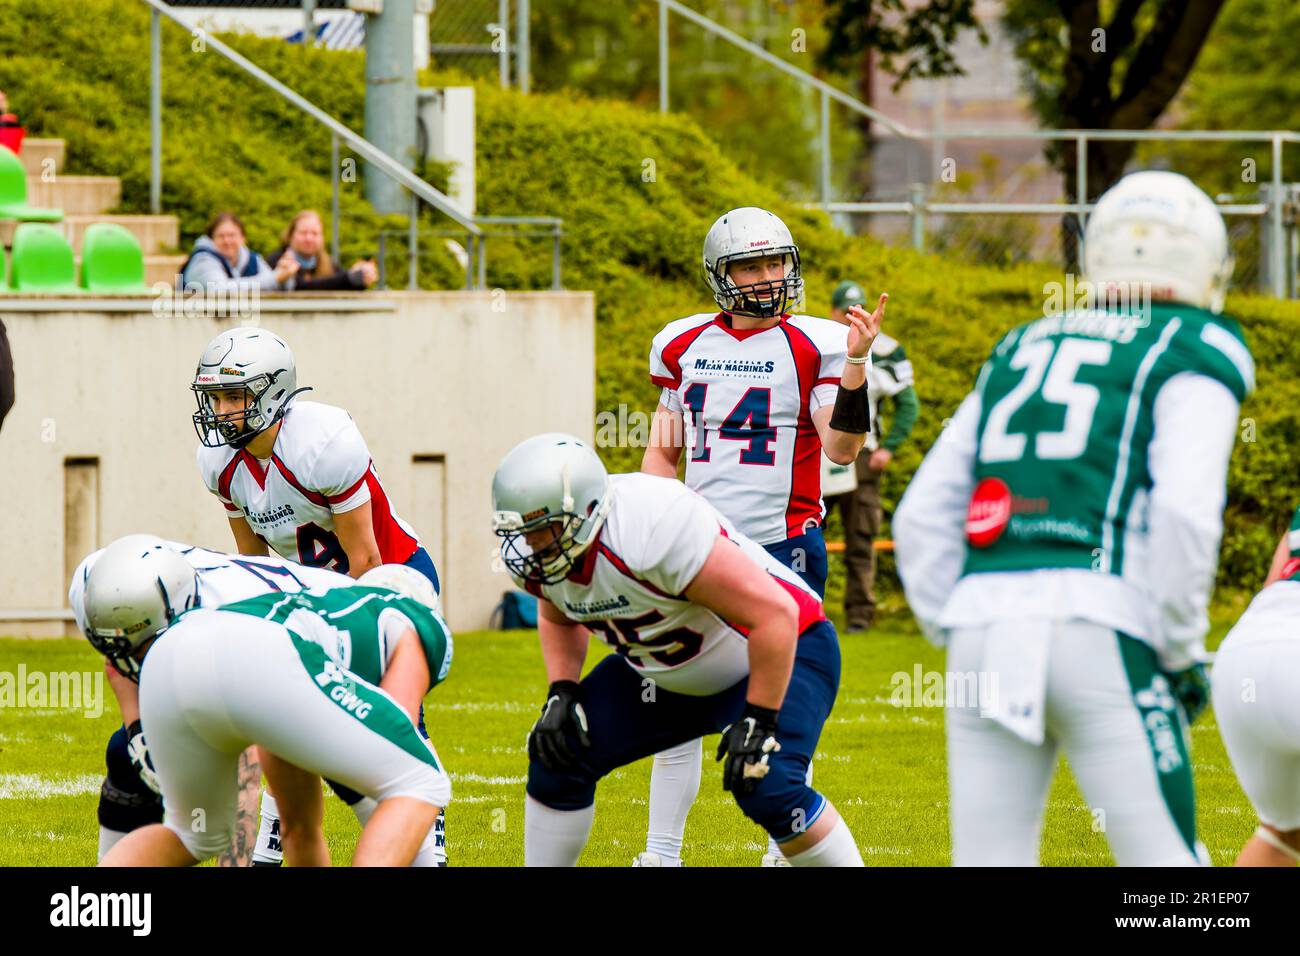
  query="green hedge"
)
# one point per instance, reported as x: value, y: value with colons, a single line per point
x: 632, y: 231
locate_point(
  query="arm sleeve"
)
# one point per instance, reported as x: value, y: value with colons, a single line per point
x: 907, y: 407
x: 678, y: 543
x: 660, y: 373
x: 210, y: 481
x: 834, y: 349
x: 670, y: 400
x: 1195, y: 428
x: 341, y: 468
x: 929, y: 525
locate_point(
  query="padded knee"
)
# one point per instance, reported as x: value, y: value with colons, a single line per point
x: 566, y: 790
x: 125, y: 803
x: 783, y: 804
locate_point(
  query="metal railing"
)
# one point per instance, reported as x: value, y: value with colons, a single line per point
x: 554, y: 231
x: 420, y: 190
x: 917, y: 207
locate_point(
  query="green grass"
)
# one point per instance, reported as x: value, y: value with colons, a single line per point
x: 882, y: 766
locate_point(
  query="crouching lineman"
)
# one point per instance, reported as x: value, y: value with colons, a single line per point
x: 129, y: 798
x: 1063, y: 533
x: 1256, y: 682
x: 325, y: 683
x: 712, y: 634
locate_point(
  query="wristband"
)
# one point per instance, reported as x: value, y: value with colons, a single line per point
x: 852, y: 412
x: 858, y: 361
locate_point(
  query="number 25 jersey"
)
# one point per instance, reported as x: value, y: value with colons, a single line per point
x: 629, y: 587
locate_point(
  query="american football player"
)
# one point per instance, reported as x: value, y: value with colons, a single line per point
x: 325, y: 683
x: 760, y: 392
x: 1256, y: 694
x: 1062, y: 536
x: 129, y: 797
x: 712, y: 634
x: 292, y: 475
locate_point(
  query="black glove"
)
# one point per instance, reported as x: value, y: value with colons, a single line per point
x: 1192, y: 688
x: 562, y: 714
x: 746, y: 744
x: 138, y: 751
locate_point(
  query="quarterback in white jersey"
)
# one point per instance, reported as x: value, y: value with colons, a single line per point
x: 751, y: 390
x: 754, y: 394
x: 293, y: 476
x: 725, y: 637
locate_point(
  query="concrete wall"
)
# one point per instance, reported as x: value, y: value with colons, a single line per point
x: 100, y: 442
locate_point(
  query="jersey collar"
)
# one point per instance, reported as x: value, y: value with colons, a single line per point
x: 723, y: 321
x: 582, y: 572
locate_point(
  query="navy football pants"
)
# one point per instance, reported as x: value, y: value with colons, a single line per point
x: 625, y: 728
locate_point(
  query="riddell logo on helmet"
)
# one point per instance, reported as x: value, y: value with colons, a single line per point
x: 536, y: 514
x: 763, y: 242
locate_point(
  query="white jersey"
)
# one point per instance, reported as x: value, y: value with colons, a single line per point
x: 628, y: 587
x: 223, y: 578
x: 319, y: 467
x: 747, y: 398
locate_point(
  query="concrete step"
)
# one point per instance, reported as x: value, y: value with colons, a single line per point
x: 36, y: 150
x: 162, y: 268
x: 154, y: 233
x: 75, y: 195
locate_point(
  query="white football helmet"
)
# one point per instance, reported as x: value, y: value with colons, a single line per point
x: 260, y: 363
x: 136, y: 589
x: 549, y: 478
x: 407, y: 582
x: 1158, y: 227
x: 749, y: 233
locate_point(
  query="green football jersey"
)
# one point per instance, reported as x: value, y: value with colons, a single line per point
x: 345, y: 622
x: 1067, y: 407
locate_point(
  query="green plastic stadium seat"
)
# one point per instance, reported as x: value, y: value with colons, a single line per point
x: 42, y: 260
x: 13, y: 192
x: 111, y: 259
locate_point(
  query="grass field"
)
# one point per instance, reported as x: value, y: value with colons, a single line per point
x: 882, y: 766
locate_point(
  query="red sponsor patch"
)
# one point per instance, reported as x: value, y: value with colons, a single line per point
x: 1290, y: 568
x: 988, y: 512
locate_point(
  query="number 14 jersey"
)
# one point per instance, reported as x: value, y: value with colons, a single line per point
x: 746, y: 397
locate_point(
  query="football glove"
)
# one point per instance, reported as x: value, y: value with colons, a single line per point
x: 138, y: 751
x: 746, y: 745
x: 562, y: 716
x: 1192, y: 689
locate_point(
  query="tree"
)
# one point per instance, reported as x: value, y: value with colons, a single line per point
x: 1087, y: 64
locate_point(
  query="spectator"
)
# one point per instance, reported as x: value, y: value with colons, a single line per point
x: 304, y: 241
x: 11, y: 131
x: 6, y: 375
x: 888, y: 376
x: 220, y: 260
